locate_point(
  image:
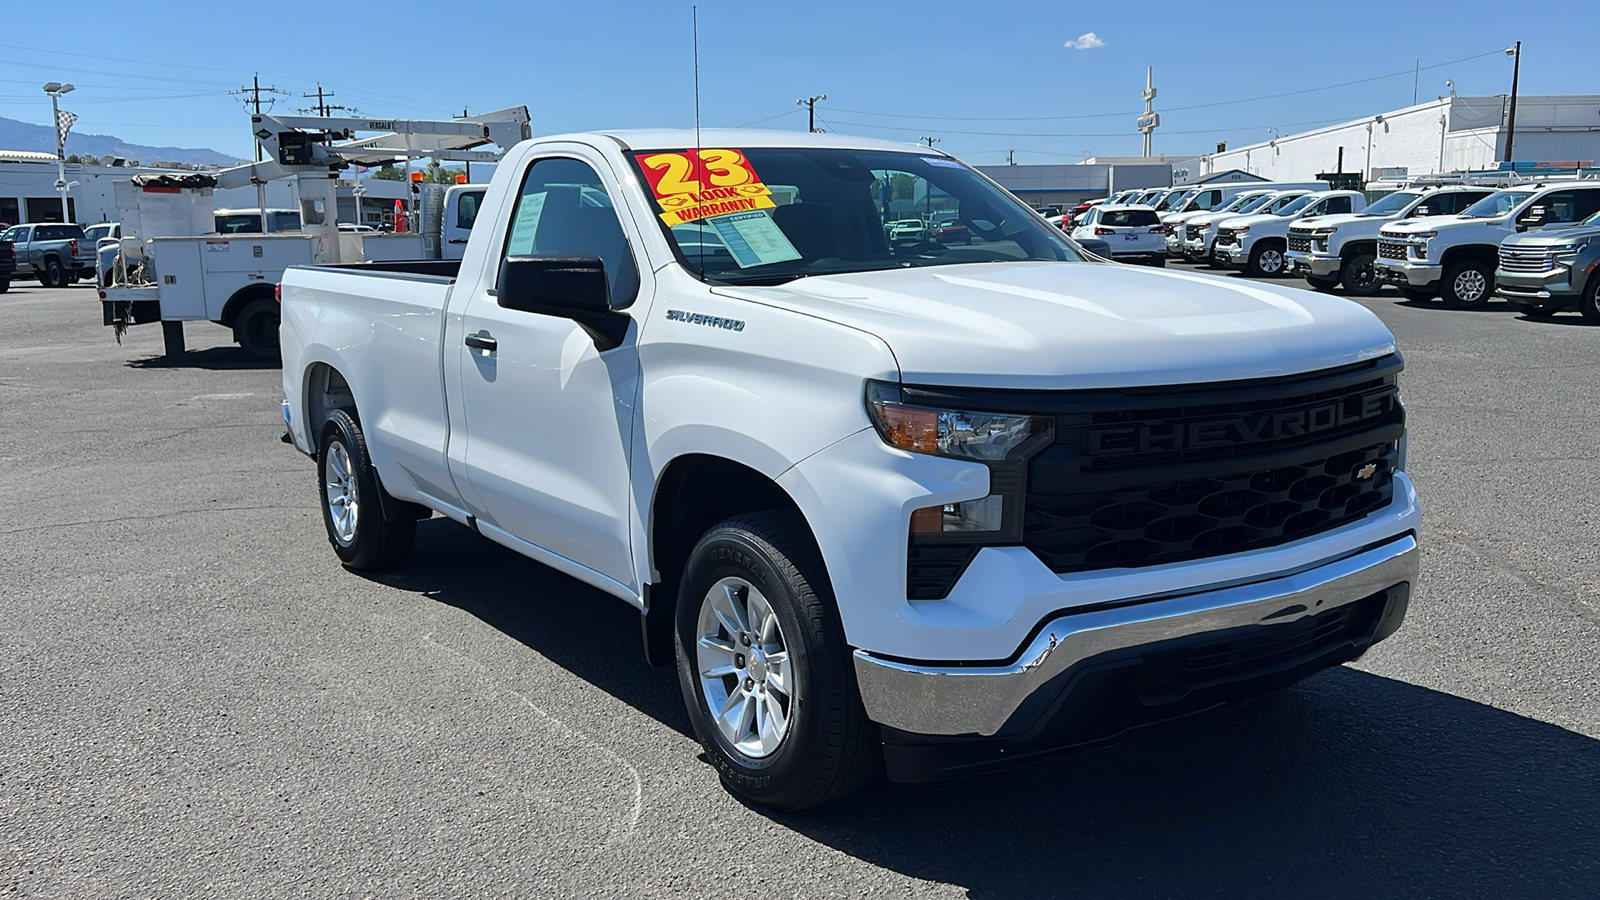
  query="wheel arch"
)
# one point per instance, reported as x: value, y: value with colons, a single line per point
x: 1485, y: 253
x: 694, y: 492
x: 1354, y: 248
x: 241, y: 298
x: 324, y: 389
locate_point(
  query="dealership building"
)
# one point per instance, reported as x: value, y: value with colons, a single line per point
x: 1450, y: 134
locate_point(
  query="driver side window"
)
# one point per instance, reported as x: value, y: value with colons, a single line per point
x: 563, y: 210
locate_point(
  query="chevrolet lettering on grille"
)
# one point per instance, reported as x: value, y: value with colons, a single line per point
x: 1236, y: 430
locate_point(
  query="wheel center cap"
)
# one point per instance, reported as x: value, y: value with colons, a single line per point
x: 758, y: 665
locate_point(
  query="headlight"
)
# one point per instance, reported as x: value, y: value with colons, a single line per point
x: 1572, y: 249
x: 1324, y: 232
x: 1421, y: 235
x: 1240, y: 232
x: 979, y: 436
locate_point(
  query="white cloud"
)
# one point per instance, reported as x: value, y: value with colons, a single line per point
x: 1087, y: 41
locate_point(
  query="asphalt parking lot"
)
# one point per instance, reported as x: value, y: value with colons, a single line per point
x: 199, y: 701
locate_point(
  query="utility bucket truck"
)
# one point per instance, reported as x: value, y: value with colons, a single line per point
x: 172, y: 266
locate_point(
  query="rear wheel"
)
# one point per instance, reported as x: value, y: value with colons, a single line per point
x: 764, y: 668
x: 256, y: 329
x: 1358, y: 276
x: 52, y: 275
x: 351, y: 510
x: 1266, y: 261
x: 1467, y: 284
x: 5, y: 285
x: 1589, y: 303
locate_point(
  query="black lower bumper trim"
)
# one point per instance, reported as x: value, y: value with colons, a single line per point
x: 1114, y: 697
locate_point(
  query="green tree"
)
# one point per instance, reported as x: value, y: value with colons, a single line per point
x: 389, y: 173
x: 74, y: 158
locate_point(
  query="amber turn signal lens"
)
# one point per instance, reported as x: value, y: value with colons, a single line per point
x: 912, y: 429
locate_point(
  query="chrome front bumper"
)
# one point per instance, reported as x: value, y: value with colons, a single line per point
x: 981, y: 700
x: 1406, y: 274
x: 1537, y: 286
x: 1315, y: 266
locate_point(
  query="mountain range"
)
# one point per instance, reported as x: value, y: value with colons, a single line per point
x: 15, y: 135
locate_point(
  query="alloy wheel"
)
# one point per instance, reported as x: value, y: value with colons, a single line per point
x: 344, y: 500
x: 743, y: 664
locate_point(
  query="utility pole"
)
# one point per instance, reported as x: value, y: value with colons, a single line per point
x: 323, y: 108
x: 1011, y: 157
x: 930, y: 141
x: 255, y: 90
x: 469, y: 162
x: 1511, y: 120
x: 810, y: 103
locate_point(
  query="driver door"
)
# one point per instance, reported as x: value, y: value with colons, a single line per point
x: 548, y: 417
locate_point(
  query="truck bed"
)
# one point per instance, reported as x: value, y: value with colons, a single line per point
x: 436, y: 268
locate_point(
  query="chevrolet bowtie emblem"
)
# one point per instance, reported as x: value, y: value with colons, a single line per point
x: 1366, y: 471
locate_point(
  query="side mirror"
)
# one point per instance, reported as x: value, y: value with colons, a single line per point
x: 1533, y: 217
x: 1419, y: 212
x: 567, y: 287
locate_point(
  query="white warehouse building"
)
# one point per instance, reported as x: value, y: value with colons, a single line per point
x: 1444, y: 135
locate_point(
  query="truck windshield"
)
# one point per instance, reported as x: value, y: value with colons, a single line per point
x: 1496, y: 204
x: 1164, y: 202
x: 1391, y: 204
x: 1298, y: 204
x: 768, y: 215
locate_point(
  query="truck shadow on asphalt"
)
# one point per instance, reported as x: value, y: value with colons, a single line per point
x: 1347, y: 785
x: 213, y: 358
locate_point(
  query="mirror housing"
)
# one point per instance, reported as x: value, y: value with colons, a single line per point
x: 566, y: 287
x: 1533, y: 217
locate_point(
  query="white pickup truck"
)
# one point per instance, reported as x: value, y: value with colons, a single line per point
x: 1342, y: 249
x: 916, y: 506
x: 1256, y: 243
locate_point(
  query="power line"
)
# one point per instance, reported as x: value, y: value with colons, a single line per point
x: 255, y: 90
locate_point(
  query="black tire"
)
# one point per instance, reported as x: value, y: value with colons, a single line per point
x: 1266, y: 260
x: 1589, y: 303
x: 1467, y: 284
x: 1159, y: 263
x: 1416, y: 295
x: 256, y: 328
x: 52, y: 275
x: 5, y: 285
x: 1358, y: 275
x: 830, y: 748
x: 373, y: 543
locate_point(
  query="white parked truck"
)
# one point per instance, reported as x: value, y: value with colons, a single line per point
x: 180, y: 260
x: 1199, y: 230
x: 1256, y: 243
x: 925, y: 506
x: 1342, y: 249
x: 1454, y: 257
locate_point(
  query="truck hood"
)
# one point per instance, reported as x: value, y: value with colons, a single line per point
x: 1253, y: 220
x: 1555, y: 236
x: 1049, y: 325
x: 1336, y: 221
x: 1209, y: 218
x: 1432, y: 223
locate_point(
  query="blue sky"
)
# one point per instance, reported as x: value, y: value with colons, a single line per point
x: 984, y: 78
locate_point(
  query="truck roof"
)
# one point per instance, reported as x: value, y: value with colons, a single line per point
x: 681, y: 138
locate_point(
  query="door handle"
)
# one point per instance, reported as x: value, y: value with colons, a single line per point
x: 482, y: 342
x: 458, y: 240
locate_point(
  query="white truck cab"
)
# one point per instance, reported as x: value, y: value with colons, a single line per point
x: 1454, y: 257
x: 1194, y: 239
x: 1257, y: 243
x: 920, y: 506
x: 1343, y: 249
x: 461, y: 205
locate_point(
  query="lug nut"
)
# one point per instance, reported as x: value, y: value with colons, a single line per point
x: 749, y: 683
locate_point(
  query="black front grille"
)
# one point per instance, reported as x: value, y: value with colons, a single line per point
x: 1139, y: 478
x: 1391, y: 250
x: 1299, y: 243
x: 1194, y: 232
x: 1226, y: 236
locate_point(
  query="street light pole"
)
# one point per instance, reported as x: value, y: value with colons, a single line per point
x: 55, y: 89
x: 1511, y: 119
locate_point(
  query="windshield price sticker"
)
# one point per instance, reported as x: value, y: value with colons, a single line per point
x: 695, y: 184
